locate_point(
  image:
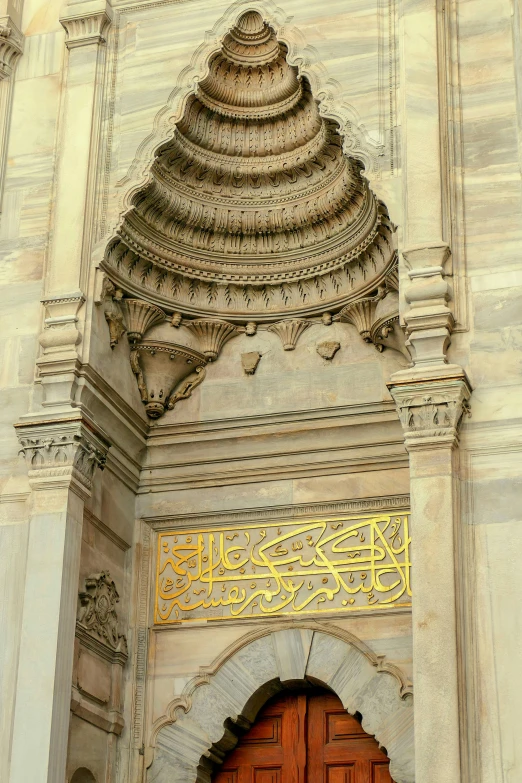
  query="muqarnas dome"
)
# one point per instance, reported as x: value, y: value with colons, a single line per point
x: 252, y: 211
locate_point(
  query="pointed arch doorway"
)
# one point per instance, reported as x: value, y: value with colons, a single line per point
x: 305, y: 736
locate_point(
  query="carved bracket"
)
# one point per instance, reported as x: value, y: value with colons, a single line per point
x: 376, y: 318
x: 289, y: 331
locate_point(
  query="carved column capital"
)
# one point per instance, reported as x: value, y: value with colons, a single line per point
x: 11, y: 46
x: 62, y: 453
x: 87, y: 28
x: 431, y: 412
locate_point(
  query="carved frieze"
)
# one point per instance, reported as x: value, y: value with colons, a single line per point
x: 252, y: 212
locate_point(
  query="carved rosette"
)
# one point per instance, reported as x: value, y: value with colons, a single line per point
x: 212, y: 335
x: 252, y: 212
x: 62, y: 452
x: 139, y: 317
x: 431, y: 411
x: 166, y: 373
x: 97, y: 614
x: 289, y: 331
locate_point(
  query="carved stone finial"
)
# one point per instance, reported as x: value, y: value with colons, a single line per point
x: 289, y: 331
x: 160, y: 367
x: 176, y: 319
x: 328, y: 349
x: 251, y: 328
x: 140, y: 316
x: 61, y: 452
x: 97, y: 611
x: 327, y: 319
x: 213, y: 335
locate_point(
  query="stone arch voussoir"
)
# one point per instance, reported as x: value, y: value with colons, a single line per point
x: 231, y: 691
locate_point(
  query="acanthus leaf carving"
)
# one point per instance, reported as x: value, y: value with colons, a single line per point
x: 62, y: 451
x: 432, y: 410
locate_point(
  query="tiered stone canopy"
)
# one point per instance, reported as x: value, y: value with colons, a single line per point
x: 252, y: 211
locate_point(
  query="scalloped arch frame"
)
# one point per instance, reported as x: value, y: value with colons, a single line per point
x: 357, y: 142
x: 194, y: 732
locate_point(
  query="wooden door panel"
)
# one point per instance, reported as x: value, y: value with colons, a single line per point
x: 225, y: 776
x: 339, y: 773
x: 305, y: 737
x: 267, y: 775
x: 265, y: 731
x: 380, y: 772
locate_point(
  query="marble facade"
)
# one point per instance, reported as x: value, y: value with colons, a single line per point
x: 426, y: 96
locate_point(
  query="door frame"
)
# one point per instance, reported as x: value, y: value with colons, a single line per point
x: 197, y: 729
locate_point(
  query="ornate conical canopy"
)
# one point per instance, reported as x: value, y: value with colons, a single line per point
x: 252, y: 211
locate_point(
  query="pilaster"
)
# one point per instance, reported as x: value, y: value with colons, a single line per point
x: 11, y: 48
x: 62, y: 458
x: 85, y: 25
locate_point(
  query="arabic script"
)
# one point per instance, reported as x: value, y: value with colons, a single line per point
x: 287, y: 568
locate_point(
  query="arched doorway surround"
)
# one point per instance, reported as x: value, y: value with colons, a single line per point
x: 198, y: 726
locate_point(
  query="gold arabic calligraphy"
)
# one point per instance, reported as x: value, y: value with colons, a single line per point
x: 354, y: 563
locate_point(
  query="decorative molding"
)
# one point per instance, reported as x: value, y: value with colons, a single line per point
x: 289, y: 331
x: 212, y: 334
x: 429, y: 321
x: 60, y: 452
x: 98, y: 620
x: 431, y: 412
x: 161, y: 370
x: 86, y: 29
x: 365, y: 682
x: 364, y: 505
x: 60, y: 363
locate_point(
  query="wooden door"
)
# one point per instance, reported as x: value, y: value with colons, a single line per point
x: 305, y: 737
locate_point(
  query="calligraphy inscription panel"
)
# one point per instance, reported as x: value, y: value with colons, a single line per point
x: 334, y: 564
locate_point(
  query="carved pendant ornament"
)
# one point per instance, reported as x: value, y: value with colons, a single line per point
x: 253, y: 217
